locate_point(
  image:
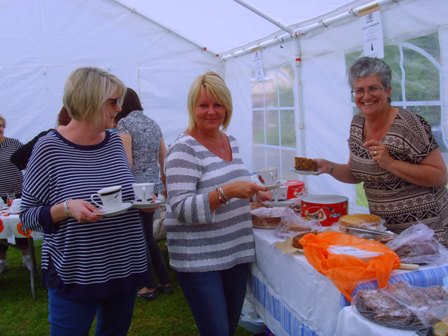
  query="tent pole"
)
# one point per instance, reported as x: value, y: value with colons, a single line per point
x: 306, y: 29
x: 300, y: 122
x: 265, y: 16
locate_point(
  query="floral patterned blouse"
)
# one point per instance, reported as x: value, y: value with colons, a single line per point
x: 146, y: 136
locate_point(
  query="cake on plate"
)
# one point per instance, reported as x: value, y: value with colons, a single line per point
x: 304, y: 164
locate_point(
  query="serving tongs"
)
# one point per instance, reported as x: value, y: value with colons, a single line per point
x: 403, y: 266
x: 374, y: 232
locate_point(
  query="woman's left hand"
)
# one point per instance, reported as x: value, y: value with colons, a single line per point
x: 263, y: 196
x: 379, y: 153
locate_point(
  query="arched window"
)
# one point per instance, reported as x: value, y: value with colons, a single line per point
x: 274, y: 131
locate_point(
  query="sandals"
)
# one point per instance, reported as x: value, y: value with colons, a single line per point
x: 166, y: 289
x: 149, y: 295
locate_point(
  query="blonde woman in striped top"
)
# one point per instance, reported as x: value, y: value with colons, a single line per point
x: 209, y: 228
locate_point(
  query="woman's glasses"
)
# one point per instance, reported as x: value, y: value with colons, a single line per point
x: 371, y: 90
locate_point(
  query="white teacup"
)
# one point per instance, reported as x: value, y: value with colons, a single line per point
x: 281, y: 193
x: 268, y: 176
x: 110, y: 198
x: 15, y: 206
x: 143, y: 192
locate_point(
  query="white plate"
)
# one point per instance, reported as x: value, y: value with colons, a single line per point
x: 124, y: 207
x: 264, y: 227
x: 305, y: 172
x: 152, y: 204
x: 283, y: 203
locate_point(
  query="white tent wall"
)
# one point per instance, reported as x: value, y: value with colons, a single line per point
x: 44, y: 40
x: 325, y: 94
x: 63, y: 35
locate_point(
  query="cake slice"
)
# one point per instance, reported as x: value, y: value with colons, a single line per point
x: 305, y: 164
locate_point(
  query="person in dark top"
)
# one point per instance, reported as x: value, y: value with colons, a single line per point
x: 21, y: 156
x: 12, y: 179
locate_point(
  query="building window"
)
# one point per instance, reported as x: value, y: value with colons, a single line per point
x: 274, y: 131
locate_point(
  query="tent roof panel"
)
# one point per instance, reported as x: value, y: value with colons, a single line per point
x: 223, y: 25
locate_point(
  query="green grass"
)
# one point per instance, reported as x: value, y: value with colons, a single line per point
x: 21, y: 315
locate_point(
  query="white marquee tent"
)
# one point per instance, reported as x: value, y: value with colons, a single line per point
x: 159, y: 46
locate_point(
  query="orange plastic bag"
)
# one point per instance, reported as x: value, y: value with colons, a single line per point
x: 347, y: 271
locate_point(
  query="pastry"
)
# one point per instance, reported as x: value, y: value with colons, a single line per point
x: 301, y: 163
x: 366, y: 221
x: 296, y: 239
x: 398, y: 305
x: 360, y: 220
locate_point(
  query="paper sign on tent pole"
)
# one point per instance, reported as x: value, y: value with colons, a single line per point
x: 258, y: 61
x: 372, y: 33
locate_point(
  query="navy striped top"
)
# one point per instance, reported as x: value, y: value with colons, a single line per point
x: 83, y: 260
x: 198, y: 239
x: 11, y: 177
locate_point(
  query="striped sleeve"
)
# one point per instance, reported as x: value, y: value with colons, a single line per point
x: 183, y: 169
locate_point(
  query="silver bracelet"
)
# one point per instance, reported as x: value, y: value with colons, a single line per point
x: 67, y: 208
x: 222, y: 196
x: 331, y: 167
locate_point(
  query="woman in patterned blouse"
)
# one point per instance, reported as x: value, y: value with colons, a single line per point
x: 146, y: 152
x: 393, y: 151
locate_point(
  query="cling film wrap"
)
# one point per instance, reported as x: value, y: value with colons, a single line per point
x: 417, y: 245
x: 403, y: 306
x: 291, y: 224
x: 346, y: 271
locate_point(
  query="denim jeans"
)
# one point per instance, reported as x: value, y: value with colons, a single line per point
x: 215, y: 298
x: 74, y: 318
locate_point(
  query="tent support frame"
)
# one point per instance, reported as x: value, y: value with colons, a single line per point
x: 325, y: 23
x: 265, y: 16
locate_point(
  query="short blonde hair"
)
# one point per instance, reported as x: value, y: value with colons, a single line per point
x: 2, y: 119
x: 87, y: 89
x: 215, y: 85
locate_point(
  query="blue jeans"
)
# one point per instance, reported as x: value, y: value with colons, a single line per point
x: 74, y: 318
x: 215, y: 298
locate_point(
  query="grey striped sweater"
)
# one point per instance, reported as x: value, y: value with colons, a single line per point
x: 199, y: 239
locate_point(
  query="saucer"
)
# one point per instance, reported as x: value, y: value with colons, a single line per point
x: 280, y: 203
x: 147, y: 205
x: 124, y: 207
x: 305, y: 172
x: 273, y: 186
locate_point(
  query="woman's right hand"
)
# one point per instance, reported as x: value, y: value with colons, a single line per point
x: 242, y: 189
x: 324, y: 166
x: 84, y: 211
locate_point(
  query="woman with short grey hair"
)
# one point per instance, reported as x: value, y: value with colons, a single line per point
x: 394, y: 152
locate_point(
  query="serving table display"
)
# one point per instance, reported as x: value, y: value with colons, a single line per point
x: 11, y: 228
x: 293, y: 298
